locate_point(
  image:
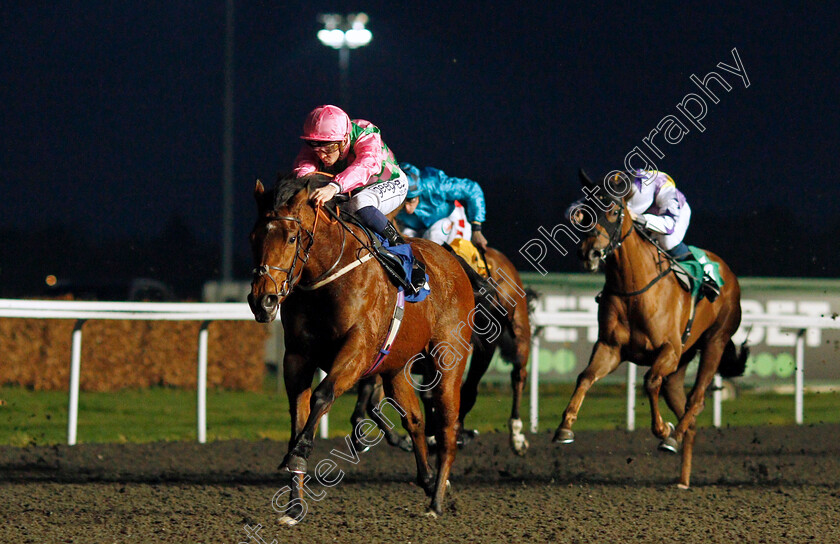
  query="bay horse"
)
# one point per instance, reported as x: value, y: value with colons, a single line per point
x: 508, y: 329
x: 643, y: 316
x: 336, y: 310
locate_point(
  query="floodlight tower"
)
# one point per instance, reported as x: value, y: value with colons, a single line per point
x: 344, y: 33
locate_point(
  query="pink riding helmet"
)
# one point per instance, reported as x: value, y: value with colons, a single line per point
x: 326, y: 124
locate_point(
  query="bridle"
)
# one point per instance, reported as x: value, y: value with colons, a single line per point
x: 615, y: 239
x: 301, y: 255
x: 613, y: 232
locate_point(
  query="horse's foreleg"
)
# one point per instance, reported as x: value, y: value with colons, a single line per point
x: 603, y: 361
x: 298, y: 390
x: 343, y: 374
x: 297, y: 378
x: 673, y: 388
x: 665, y: 364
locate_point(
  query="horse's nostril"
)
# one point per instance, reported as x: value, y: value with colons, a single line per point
x: 594, y: 254
x: 269, y: 302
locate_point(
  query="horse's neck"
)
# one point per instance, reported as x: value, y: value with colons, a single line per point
x: 327, y: 254
x: 634, y: 265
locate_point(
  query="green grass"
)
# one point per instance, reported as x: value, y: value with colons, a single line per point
x: 40, y: 417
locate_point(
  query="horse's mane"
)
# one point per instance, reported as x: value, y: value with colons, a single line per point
x: 289, y: 185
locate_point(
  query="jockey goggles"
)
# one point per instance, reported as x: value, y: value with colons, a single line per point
x: 323, y: 147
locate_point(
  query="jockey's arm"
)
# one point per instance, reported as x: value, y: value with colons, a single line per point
x: 668, y: 203
x: 306, y: 162
x: 466, y: 191
x: 367, y: 163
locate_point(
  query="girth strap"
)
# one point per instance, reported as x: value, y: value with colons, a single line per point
x: 393, y: 329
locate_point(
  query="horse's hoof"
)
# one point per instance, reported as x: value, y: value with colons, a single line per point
x: 405, y: 444
x: 289, y: 521
x: 682, y: 486
x: 294, y: 464
x: 564, y: 436
x: 465, y: 437
x: 431, y: 514
x: 519, y: 445
x: 669, y: 443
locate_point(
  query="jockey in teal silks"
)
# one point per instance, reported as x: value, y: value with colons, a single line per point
x: 431, y: 210
x: 363, y: 166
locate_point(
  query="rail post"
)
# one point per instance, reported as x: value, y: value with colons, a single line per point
x: 201, y: 383
x: 535, y: 379
x: 75, y: 370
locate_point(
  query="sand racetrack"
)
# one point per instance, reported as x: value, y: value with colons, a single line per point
x: 768, y: 484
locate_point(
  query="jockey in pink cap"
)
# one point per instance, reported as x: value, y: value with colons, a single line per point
x: 363, y: 166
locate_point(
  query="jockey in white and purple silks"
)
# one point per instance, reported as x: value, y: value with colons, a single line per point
x: 655, y: 203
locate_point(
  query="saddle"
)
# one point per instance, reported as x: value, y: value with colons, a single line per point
x: 699, y: 275
x: 467, y: 251
x: 400, y: 265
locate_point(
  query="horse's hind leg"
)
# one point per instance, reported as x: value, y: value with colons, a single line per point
x: 604, y: 360
x: 518, y: 376
x: 402, y: 392
x: 365, y: 387
x: 479, y: 363
x: 446, y: 397
x: 391, y: 436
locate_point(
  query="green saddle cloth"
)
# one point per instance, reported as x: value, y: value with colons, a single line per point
x: 698, y: 266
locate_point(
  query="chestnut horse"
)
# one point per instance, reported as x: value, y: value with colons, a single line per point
x: 508, y: 328
x: 337, y: 309
x: 643, y: 314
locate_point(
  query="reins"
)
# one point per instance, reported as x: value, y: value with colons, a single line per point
x: 302, y: 255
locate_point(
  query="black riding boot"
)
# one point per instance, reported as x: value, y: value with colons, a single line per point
x: 418, y: 269
x: 392, y: 235
x: 710, y: 288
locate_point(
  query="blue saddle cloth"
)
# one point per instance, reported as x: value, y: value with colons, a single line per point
x: 403, y: 251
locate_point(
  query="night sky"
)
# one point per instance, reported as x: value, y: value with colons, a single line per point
x: 112, y: 112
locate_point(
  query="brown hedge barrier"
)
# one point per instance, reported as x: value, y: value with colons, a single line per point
x: 117, y: 354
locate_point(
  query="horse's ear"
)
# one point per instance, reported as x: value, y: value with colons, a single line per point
x: 585, y: 179
x: 259, y: 196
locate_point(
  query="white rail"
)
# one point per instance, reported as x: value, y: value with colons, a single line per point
x: 590, y: 319
x: 151, y: 311
x: 209, y: 312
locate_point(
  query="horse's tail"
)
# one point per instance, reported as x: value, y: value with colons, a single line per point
x: 531, y: 297
x: 733, y: 362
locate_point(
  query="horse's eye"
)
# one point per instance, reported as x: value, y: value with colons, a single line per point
x: 292, y: 239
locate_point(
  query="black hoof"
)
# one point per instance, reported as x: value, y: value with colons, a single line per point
x: 293, y: 463
x: 564, y: 436
x: 466, y: 436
